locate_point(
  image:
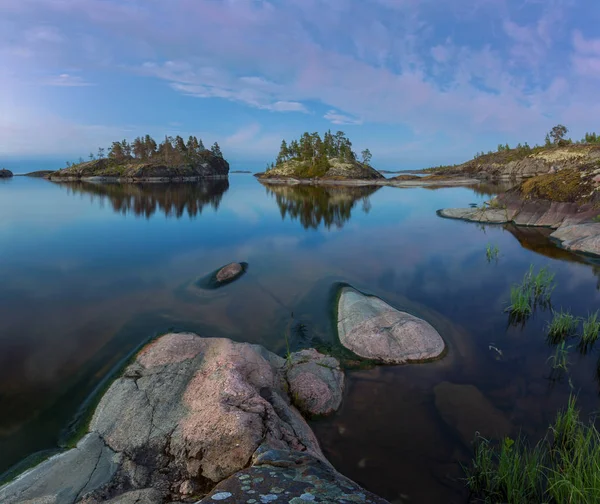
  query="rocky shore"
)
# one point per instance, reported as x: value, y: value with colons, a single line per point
x: 575, y: 223
x: 427, y: 181
x: 522, y: 163
x: 4, y: 173
x: 199, y: 418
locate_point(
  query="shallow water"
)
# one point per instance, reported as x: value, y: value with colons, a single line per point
x: 88, y: 272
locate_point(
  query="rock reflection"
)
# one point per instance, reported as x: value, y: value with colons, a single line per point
x: 313, y: 206
x: 537, y: 239
x: 173, y: 200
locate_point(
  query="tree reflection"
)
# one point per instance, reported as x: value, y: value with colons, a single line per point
x: 173, y: 200
x: 327, y: 205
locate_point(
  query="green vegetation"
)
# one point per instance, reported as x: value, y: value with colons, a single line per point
x: 566, y: 185
x: 520, y: 302
x: 591, y: 329
x: 564, y: 467
x: 172, y: 151
x: 562, y: 326
x: 313, y: 153
x: 542, y: 284
x: 491, y: 252
x: 535, y: 290
x: 560, y: 359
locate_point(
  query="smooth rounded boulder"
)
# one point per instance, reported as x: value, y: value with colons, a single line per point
x: 4, y: 173
x: 316, y: 382
x: 374, y: 330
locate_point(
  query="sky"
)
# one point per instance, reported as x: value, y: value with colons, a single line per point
x: 418, y: 82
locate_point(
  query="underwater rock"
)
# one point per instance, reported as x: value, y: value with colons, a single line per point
x: 468, y: 411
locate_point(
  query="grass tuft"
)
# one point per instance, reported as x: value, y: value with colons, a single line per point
x: 491, y: 252
x: 564, y: 467
x: 535, y: 290
x: 591, y: 329
x: 562, y: 326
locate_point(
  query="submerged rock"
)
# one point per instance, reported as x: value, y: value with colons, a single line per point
x: 4, y: 173
x: 466, y: 409
x: 229, y: 272
x: 316, y: 382
x: 187, y: 414
x: 372, y: 329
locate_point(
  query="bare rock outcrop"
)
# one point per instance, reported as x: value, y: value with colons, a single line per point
x: 190, y: 413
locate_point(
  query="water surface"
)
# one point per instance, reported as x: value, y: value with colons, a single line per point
x: 88, y: 272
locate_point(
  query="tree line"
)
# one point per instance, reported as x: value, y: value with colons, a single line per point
x: 318, y: 151
x: 171, y: 151
x: 556, y: 137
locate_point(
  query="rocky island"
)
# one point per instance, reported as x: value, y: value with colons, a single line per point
x: 561, y: 191
x: 331, y: 161
x: 4, y: 173
x: 145, y: 161
x: 320, y: 160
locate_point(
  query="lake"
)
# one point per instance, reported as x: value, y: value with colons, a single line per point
x: 89, y: 272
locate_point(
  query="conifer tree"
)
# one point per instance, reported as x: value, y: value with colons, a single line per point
x: 216, y: 150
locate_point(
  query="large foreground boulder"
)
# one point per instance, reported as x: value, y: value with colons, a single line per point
x: 187, y: 414
x: 373, y: 329
x: 4, y: 173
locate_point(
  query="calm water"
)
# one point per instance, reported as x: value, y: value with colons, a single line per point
x: 89, y: 272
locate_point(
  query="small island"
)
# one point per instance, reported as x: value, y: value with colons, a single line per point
x: 4, y: 173
x: 314, y: 159
x: 145, y: 160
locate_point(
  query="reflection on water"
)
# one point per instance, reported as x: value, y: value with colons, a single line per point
x: 493, y: 188
x: 81, y: 286
x: 174, y: 200
x: 316, y: 205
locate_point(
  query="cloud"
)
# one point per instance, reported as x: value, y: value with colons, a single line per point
x: 337, y: 118
x: 66, y: 80
x: 288, y: 106
x: 210, y: 82
x: 586, y: 59
x: 467, y: 68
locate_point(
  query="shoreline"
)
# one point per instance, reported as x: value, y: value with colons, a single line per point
x: 376, y: 182
x: 126, y: 180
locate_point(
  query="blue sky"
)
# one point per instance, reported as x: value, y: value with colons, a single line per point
x: 419, y: 82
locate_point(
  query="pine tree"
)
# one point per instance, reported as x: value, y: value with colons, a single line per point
x: 116, y: 152
x: 366, y: 157
x: 180, y: 145
x: 283, y: 153
x: 138, y: 148
x: 216, y: 150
